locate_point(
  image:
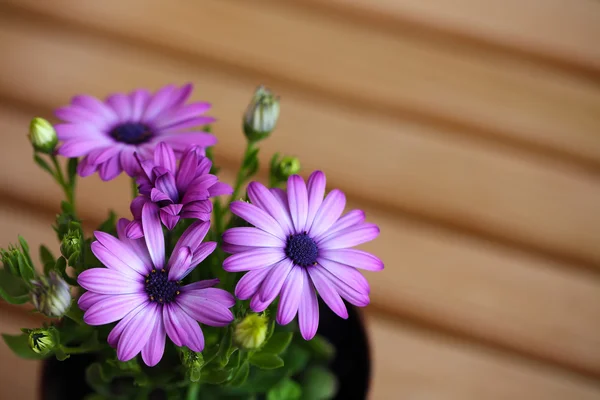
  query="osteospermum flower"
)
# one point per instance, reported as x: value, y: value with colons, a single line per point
x: 179, y: 192
x: 107, y: 134
x: 300, y: 245
x: 143, y: 290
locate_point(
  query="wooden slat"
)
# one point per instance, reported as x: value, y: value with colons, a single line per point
x: 514, y: 300
x: 486, y: 92
x: 490, y: 190
x: 565, y: 31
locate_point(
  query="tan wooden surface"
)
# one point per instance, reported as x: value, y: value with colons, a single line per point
x: 479, y: 161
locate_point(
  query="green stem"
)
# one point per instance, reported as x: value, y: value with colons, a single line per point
x: 66, y: 186
x: 75, y: 314
x: 134, y: 188
x: 241, y: 175
x: 79, y: 350
x: 193, y: 390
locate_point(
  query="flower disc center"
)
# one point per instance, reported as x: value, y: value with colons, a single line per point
x: 131, y: 133
x: 160, y: 288
x: 301, y: 249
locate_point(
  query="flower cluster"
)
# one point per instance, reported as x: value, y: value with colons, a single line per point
x: 164, y: 272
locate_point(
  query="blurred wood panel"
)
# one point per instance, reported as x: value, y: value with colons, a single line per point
x: 483, y: 92
x: 491, y: 190
x: 565, y: 31
x: 502, y: 297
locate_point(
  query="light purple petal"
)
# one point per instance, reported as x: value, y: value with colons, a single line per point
x: 200, y: 285
x: 291, y: 294
x: 113, y: 262
x: 273, y: 282
x: 200, y: 254
x: 249, y: 284
x: 137, y: 333
x: 182, y: 141
x: 347, y: 220
x: 219, y: 189
x: 95, y: 106
x: 201, y: 207
x: 166, y: 184
x: 136, y: 206
x: 101, y: 155
x: 253, y: 259
x: 232, y: 248
x: 257, y: 305
x: 113, y: 308
x: 187, y: 170
x: 165, y: 157
x: 328, y: 292
x: 316, y: 191
x: 159, y: 103
x: 206, y: 311
x: 120, y: 105
x: 354, y: 258
x: 217, y: 295
x: 139, y: 100
x: 349, y: 275
x: 350, y: 237
x: 308, y: 311
x: 260, y: 196
x: 190, y: 111
x: 128, y: 162
x: 188, y: 123
x: 78, y: 148
x: 110, y: 169
x: 157, y: 195
x: 108, y: 281
x: 252, y: 237
x: 281, y: 196
x: 354, y: 295
x: 85, y: 168
x: 298, y: 201
x: 79, y: 115
x: 181, y: 328
x: 153, y: 235
x: 257, y: 217
x: 193, y: 236
x: 154, y: 349
x: 179, y: 263
x: 117, y: 331
x: 138, y: 246
x: 182, y: 94
x: 87, y: 299
x: 134, y: 231
x: 328, y: 213
x: 124, y: 251
x: 168, y: 219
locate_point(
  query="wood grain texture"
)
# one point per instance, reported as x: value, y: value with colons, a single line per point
x: 502, y: 193
x: 403, y: 72
x: 563, y: 31
x: 457, y: 283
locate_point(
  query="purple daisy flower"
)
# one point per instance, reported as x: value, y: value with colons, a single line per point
x: 143, y: 290
x: 106, y: 134
x: 179, y: 192
x: 300, y: 245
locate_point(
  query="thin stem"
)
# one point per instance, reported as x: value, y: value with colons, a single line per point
x: 193, y: 390
x: 134, y: 188
x: 79, y: 350
x: 241, y: 175
x: 66, y: 186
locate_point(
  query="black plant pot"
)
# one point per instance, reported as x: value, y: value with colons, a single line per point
x: 65, y: 380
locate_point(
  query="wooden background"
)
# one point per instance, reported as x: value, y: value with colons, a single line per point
x: 469, y: 130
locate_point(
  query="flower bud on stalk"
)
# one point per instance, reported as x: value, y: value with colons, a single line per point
x: 51, y: 295
x: 42, y: 341
x: 42, y: 135
x: 70, y: 246
x: 282, y: 169
x: 251, y: 332
x: 261, y: 115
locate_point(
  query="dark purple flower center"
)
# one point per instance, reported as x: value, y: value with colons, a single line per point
x: 302, y: 250
x: 131, y: 133
x: 160, y: 288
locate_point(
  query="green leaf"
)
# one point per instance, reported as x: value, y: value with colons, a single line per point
x: 278, y: 343
x: 25, y: 269
x: 319, y: 383
x: 25, y: 248
x: 287, y: 389
x: 214, y: 377
x: 94, y: 376
x: 266, y: 361
x: 241, y: 375
x: 72, y: 169
x: 19, y: 344
x: 60, y: 354
x: 225, y: 348
x: 195, y: 374
x: 12, y: 288
x: 43, y: 164
x: 46, y: 255
x: 295, y: 359
x: 321, y: 348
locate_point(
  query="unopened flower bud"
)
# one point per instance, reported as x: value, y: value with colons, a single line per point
x: 261, y: 115
x: 285, y: 168
x: 193, y: 362
x: 42, y: 341
x: 10, y: 259
x: 42, y: 135
x: 51, y: 295
x: 251, y: 332
x: 70, y: 245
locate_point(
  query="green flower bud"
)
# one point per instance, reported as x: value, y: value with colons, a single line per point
x: 193, y: 362
x: 261, y: 115
x: 42, y: 135
x: 51, y: 295
x: 251, y: 332
x: 10, y: 259
x: 285, y: 168
x: 42, y: 341
x: 70, y: 245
